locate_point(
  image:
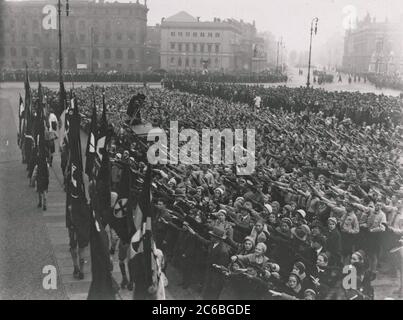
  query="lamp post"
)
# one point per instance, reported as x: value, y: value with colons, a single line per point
x: 314, y: 20
x: 279, y: 43
x: 59, y: 11
x: 281, y: 59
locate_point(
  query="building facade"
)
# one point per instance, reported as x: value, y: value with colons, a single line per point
x: 95, y: 35
x: 374, y: 47
x: 188, y: 44
x: 153, y: 48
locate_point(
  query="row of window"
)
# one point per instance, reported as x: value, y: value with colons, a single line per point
x: 72, y: 37
x: 186, y: 62
x: 95, y: 53
x: 195, y: 34
x: 195, y: 46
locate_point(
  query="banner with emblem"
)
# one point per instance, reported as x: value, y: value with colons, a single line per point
x: 78, y: 215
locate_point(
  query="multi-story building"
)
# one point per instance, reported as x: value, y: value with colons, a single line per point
x: 187, y: 43
x: 374, y: 47
x: 95, y: 35
x: 153, y: 45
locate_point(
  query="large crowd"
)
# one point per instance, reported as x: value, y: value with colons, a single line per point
x: 147, y: 76
x: 326, y: 192
x: 386, y: 81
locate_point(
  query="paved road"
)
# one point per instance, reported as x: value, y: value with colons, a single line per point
x: 296, y: 80
x: 25, y: 247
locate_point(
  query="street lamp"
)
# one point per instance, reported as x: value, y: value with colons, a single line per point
x: 59, y: 11
x: 279, y: 43
x: 314, y: 20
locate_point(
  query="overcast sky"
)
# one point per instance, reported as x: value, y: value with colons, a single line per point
x: 288, y: 18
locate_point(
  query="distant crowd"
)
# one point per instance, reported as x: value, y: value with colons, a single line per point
x: 148, y: 76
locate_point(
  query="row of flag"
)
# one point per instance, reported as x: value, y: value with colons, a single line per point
x: 129, y: 218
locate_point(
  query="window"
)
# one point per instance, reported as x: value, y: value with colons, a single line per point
x: 217, y: 48
x: 180, y: 47
x: 180, y: 62
x: 210, y: 34
x: 118, y: 66
x: 13, y: 52
x: 107, y: 54
x: 180, y: 34
x: 36, y: 37
x: 36, y: 52
x: 24, y: 37
x: 187, y: 62
x: 194, y: 47
x: 119, y: 36
x: 119, y: 54
x: 194, y: 61
x: 201, y: 47
x: 187, y: 34
x: 95, y: 53
x: 172, y: 60
x: 2, y: 53
x: 201, y: 34
x: 96, y: 38
x: 172, y: 45
x: 81, y: 24
x: 35, y: 25
x: 72, y: 37
x: 217, y: 34
x: 209, y: 46
x: 195, y: 34
x: 172, y: 34
x: 107, y: 36
x: 82, y: 53
x: 106, y: 65
x: 132, y: 36
x: 187, y: 47
x: 24, y: 52
x: 130, y: 54
x: 82, y: 37
x: 216, y: 62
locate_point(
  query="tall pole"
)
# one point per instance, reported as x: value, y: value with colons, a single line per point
x: 282, y: 62
x: 92, y: 50
x: 310, y: 49
x: 279, y: 43
x: 59, y: 11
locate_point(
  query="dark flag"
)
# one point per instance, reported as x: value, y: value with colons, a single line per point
x: 103, y: 170
x: 27, y: 138
x: 121, y: 219
x: 79, y: 217
x: 145, y: 263
x: 21, y: 121
x: 102, y: 141
x: 62, y: 99
x: 102, y: 283
x: 39, y: 134
x: 91, y: 144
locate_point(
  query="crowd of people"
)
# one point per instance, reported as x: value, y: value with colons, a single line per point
x: 322, y: 77
x: 325, y: 196
x: 147, y: 76
x: 386, y: 81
